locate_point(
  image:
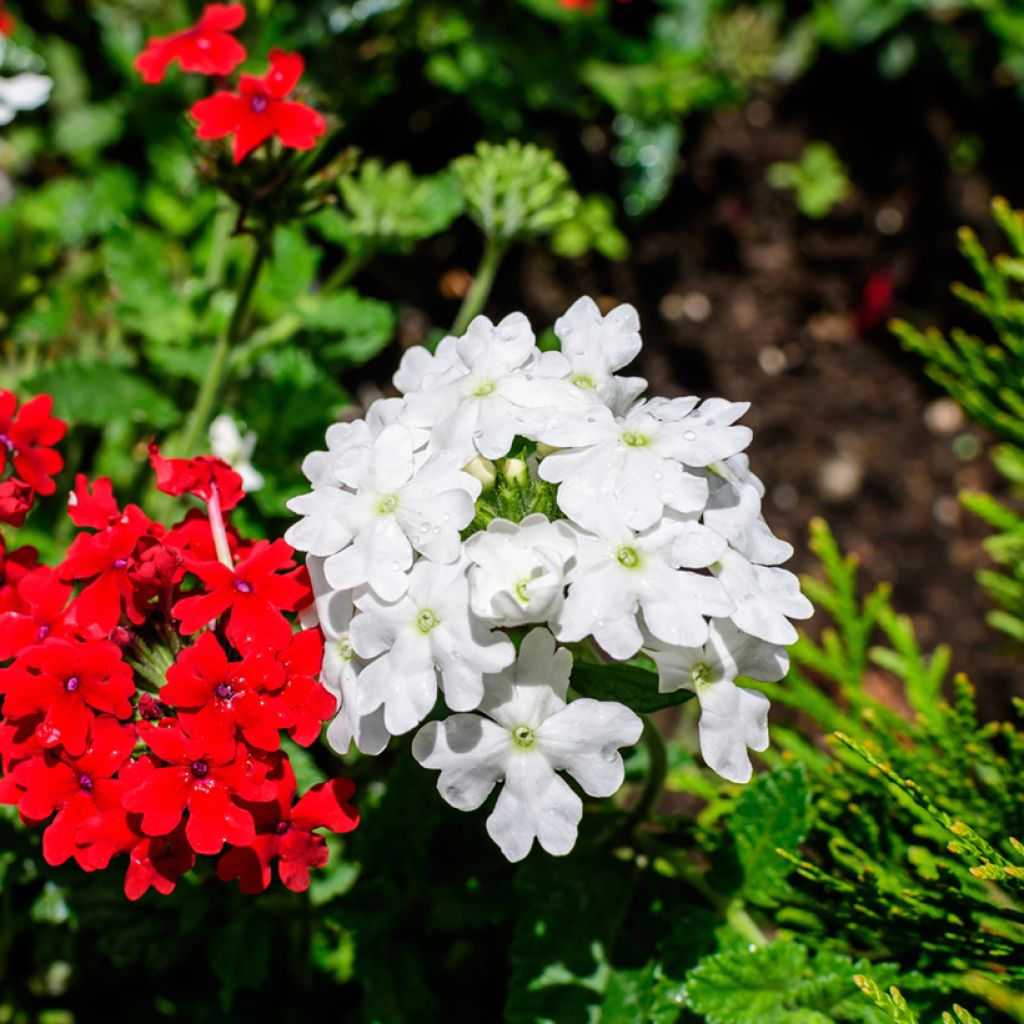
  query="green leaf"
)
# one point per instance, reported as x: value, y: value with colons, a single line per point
x: 631, y: 685
x: 96, y: 393
x: 781, y: 983
x: 773, y: 812
x: 591, y: 228
x: 819, y: 178
x: 239, y: 953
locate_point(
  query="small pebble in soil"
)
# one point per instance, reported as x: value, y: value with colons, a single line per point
x: 772, y: 360
x: 840, y: 478
x: 696, y: 307
x: 831, y: 328
x: 759, y: 113
x: 946, y: 510
x: 889, y: 220
x: 785, y: 497
x: 966, y: 447
x: 943, y: 416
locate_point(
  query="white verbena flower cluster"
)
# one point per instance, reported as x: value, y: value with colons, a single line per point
x: 511, y: 488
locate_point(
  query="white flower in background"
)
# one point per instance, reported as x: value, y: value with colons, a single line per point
x: 429, y: 632
x: 629, y: 463
x: 518, y: 570
x: 368, y: 532
x: 340, y: 672
x: 619, y: 573
x: 480, y: 403
x: 528, y: 736
x: 25, y: 91
x: 732, y: 718
x: 510, y: 487
x: 228, y: 443
x: 764, y: 597
x: 596, y: 346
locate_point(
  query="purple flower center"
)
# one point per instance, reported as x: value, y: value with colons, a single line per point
x: 72, y: 684
x: 42, y: 633
x: 223, y: 691
x: 282, y: 827
x: 6, y: 441
x: 120, y: 563
x: 85, y: 782
x: 258, y: 103
x: 199, y: 769
x: 242, y: 587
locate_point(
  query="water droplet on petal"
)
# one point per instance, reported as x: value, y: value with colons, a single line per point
x: 424, y: 527
x: 395, y: 567
x: 689, y: 436
x: 478, y: 434
x: 657, y: 476
x: 437, y: 530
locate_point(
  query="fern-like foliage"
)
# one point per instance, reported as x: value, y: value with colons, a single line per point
x: 984, y: 376
x: 913, y: 853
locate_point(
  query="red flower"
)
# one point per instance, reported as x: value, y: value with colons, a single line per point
x: 14, y: 565
x: 217, y: 696
x: 192, y: 779
x: 7, y: 21
x: 286, y: 833
x: 205, y: 476
x: 44, y: 598
x: 192, y: 538
x: 16, y: 499
x: 157, y: 862
x: 309, y: 702
x: 28, y: 439
x: 259, y: 111
x: 77, y: 788
x: 108, y: 558
x: 92, y: 503
x: 206, y: 47
x: 254, y: 591
x: 67, y: 680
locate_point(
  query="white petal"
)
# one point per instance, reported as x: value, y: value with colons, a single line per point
x: 25, y: 91
x: 534, y: 804
x: 470, y: 751
x: 584, y: 740
x: 731, y: 720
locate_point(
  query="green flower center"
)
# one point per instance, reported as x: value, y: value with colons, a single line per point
x: 700, y: 674
x: 583, y: 382
x: 635, y: 439
x: 387, y: 504
x: 345, y: 648
x: 426, y: 621
x: 627, y: 557
x: 521, y: 592
x: 523, y: 737
x: 483, y: 389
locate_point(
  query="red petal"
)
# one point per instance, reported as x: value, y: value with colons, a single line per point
x: 214, y: 819
x: 284, y: 74
x: 296, y: 125
x: 218, y: 115
x: 221, y: 17
x: 326, y: 806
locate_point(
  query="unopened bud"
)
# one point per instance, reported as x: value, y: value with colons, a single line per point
x: 483, y: 469
x: 514, y: 471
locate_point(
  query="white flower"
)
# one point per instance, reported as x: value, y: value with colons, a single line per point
x: 22, y: 92
x: 518, y: 570
x: 597, y: 346
x: 227, y: 443
x: 629, y: 463
x: 341, y: 667
x: 318, y: 466
x: 764, y: 597
x: 530, y: 734
x: 429, y: 631
x: 734, y: 512
x: 368, y: 534
x: 732, y: 718
x: 421, y: 368
x: 618, y: 573
x: 480, y: 403
x: 704, y: 434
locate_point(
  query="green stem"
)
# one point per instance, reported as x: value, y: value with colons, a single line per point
x: 657, y: 771
x: 216, y: 371
x: 345, y: 271
x: 483, y: 282
x: 218, y: 247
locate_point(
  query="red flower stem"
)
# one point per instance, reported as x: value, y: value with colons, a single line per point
x: 220, y: 534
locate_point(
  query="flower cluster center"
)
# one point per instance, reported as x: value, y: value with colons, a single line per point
x: 426, y: 621
x: 627, y: 557
x: 387, y: 504
x: 523, y: 737
x: 635, y: 439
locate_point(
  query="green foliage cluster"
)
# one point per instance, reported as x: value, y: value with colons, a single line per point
x: 984, y: 375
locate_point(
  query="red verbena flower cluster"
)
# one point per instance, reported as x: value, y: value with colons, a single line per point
x: 148, y: 678
x: 28, y: 462
x: 259, y: 110
x: 7, y: 21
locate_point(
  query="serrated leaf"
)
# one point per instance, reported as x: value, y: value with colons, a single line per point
x: 96, y: 393
x: 773, y: 812
x: 631, y: 685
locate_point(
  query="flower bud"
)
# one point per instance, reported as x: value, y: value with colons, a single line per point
x: 483, y: 470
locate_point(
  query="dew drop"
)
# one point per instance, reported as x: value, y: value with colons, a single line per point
x: 395, y: 567
x: 689, y: 436
x: 446, y: 517
x: 437, y: 530
x: 424, y: 527
x: 657, y: 476
x: 478, y: 434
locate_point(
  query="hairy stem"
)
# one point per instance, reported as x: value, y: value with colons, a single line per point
x: 483, y: 282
